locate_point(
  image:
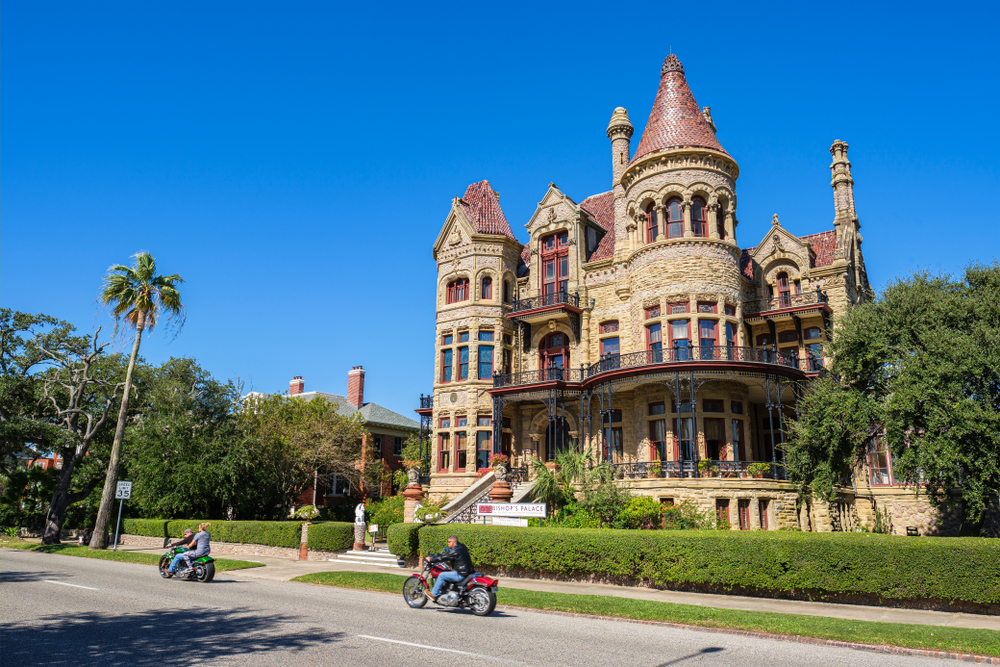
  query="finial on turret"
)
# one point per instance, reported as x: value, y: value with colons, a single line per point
x: 620, y: 124
x: 671, y: 64
x: 774, y: 221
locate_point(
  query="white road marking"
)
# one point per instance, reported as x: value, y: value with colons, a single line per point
x: 447, y: 650
x: 63, y: 583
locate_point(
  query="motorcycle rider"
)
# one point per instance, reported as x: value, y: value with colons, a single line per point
x: 458, y: 555
x: 202, y: 547
x: 183, y: 542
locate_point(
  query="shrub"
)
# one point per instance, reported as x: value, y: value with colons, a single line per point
x: 386, y: 512
x: 687, y: 516
x: 404, y: 540
x: 270, y: 533
x: 825, y: 565
x: 640, y: 512
x: 574, y: 516
x: 331, y: 536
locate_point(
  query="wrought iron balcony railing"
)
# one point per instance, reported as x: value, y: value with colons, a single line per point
x: 545, y: 300
x: 696, y: 354
x: 426, y: 402
x: 682, y: 469
x: 784, y: 301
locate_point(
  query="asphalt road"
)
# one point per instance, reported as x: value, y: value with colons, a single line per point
x: 59, y: 610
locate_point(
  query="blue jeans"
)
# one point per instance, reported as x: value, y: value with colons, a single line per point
x: 186, y: 557
x: 444, y: 577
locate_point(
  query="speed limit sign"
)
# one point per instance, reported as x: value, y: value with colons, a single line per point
x: 124, y: 491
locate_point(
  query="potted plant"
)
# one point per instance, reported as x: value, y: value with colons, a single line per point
x: 501, y: 464
x: 655, y: 469
x: 758, y: 468
x: 412, y: 467
x: 708, y: 468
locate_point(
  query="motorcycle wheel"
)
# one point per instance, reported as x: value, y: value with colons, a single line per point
x: 482, y: 601
x: 164, y: 566
x: 414, y: 593
x: 209, y: 573
x: 200, y: 572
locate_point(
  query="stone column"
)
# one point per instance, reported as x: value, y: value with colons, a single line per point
x: 686, y: 207
x: 713, y: 221
x: 661, y: 222
x: 501, y: 492
x: 730, y: 221
x: 413, y: 495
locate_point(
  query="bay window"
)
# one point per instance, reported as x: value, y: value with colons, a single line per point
x: 680, y: 339
x: 654, y: 343
x: 707, y: 338
x: 458, y: 290
x: 555, y: 265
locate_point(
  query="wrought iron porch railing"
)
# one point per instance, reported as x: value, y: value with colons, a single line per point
x: 692, y: 354
x: 470, y: 512
x: 785, y: 301
x: 426, y: 402
x: 518, y: 475
x: 553, y: 374
x: 544, y: 300
x: 682, y: 469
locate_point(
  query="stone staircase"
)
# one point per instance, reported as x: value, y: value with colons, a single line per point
x: 380, y: 558
x: 463, y: 508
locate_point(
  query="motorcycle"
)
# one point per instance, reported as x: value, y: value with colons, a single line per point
x: 202, y: 569
x: 476, y: 592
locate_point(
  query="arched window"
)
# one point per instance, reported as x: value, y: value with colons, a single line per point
x: 458, y: 290
x: 699, y: 217
x: 652, y: 226
x: 675, y: 219
x: 784, y: 290
x: 487, y: 291
x: 506, y: 290
x: 553, y: 351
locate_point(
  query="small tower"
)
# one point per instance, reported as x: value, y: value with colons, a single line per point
x: 620, y: 132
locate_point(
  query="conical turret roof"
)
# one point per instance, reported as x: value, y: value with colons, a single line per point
x: 676, y: 120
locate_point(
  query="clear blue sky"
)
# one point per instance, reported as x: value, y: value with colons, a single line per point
x: 294, y: 162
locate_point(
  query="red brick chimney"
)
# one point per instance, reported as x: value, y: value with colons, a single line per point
x: 296, y: 386
x: 356, y: 386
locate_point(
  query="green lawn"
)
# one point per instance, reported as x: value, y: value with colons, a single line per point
x: 933, y: 637
x: 221, y: 564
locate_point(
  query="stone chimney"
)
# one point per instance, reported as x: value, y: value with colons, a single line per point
x: 296, y: 386
x: 356, y: 386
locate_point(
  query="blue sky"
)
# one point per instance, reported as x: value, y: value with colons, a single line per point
x: 294, y: 162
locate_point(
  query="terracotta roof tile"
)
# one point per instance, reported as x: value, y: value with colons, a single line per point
x: 676, y: 120
x: 525, y: 259
x: 482, y: 206
x: 602, y: 208
x: 823, y: 245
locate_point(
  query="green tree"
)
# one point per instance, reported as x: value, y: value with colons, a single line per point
x: 920, y: 367
x: 138, y: 298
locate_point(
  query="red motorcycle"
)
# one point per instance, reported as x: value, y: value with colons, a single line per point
x: 477, y: 592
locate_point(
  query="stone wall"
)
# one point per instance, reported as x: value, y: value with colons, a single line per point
x: 232, y: 548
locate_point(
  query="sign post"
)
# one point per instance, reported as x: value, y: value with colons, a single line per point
x: 122, y: 492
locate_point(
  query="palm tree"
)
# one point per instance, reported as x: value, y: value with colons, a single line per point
x: 138, y: 298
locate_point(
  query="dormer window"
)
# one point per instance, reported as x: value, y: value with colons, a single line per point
x: 675, y: 218
x: 784, y: 290
x: 458, y: 290
x: 699, y: 217
x: 555, y: 263
x: 486, y: 293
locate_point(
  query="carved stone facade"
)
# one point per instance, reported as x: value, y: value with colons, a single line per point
x: 634, y: 326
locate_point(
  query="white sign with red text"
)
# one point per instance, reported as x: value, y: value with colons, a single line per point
x: 511, y: 509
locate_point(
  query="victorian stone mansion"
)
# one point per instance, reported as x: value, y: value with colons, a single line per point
x: 635, y: 326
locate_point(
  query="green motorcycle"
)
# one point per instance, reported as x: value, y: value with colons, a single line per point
x: 202, y: 569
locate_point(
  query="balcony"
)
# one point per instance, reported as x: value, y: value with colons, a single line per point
x: 692, y: 469
x: 545, y: 301
x: 426, y: 402
x: 784, y: 302
x: 710, y: 356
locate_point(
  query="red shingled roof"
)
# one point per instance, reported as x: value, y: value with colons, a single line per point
x: 602, y: 208
x: 823, y: 245
x: 526, y: 255
x: 482, y: 206
x: 676, y: 120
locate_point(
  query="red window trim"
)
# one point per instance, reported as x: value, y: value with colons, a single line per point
x: 617, y: 338
x: 442, y: 449
x: 457, y: 448
x: 670, y: 330
x: 703, y: 221
x: 486, y: 288
x: 714, y: 305
x: 458, y: 290
x: 652, y: 312
x: 668, y: 221
x: 684, y: 304
x: 652, y: 227
x: 609, y: 326
x: 558, y: 252
x: 649, y: 331
x: 444, y: 366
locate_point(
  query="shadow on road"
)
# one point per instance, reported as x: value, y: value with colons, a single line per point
x: 708, y: 649
x: 20, y: 577
x: 171, y: 637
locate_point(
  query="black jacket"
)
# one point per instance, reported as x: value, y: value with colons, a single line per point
x: 458, y: 557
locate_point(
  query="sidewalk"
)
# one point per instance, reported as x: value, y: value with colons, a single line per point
x: 280, y: 569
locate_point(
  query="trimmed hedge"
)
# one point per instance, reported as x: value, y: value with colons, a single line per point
x: 404, y: 540
x: 331, y: 536
x: 269, y: 533
x: 825, y: 565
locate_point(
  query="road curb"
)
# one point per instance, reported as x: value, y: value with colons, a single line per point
x: 873, y: 648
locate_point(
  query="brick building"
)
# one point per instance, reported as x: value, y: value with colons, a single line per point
x: 636, y: 326
x: 387, y: 432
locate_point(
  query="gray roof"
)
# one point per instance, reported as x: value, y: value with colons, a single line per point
x: 371, y: 413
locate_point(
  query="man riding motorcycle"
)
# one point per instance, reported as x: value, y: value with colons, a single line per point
x: 202, y: 547
x: 458, y: 556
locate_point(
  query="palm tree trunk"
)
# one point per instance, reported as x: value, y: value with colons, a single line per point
x: 100, y: 536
